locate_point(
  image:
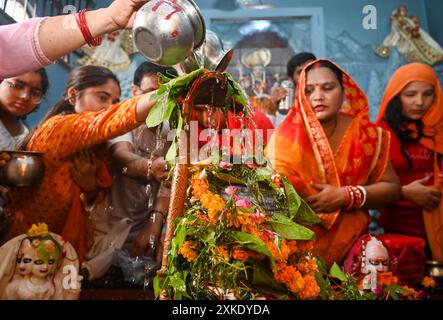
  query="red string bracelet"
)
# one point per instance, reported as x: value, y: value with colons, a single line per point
x: 83, y: 26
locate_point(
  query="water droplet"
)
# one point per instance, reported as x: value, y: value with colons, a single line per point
x: 148, y: 190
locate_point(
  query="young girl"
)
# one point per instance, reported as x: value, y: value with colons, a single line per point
x: 84, y: 119
x: 412, y: 110
x: 18, y: 97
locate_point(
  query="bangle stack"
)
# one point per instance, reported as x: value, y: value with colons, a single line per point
x: 83, y: 26
x: 355, y: 197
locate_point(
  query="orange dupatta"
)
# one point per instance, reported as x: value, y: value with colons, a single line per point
x: 433, y: 126
x: 300, y: 150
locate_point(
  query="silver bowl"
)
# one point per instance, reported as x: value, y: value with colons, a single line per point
x: 435, y: 269
x: 211, y: 55
x: 24, y: 169
x: 198, y: 22
x: 166, y: 32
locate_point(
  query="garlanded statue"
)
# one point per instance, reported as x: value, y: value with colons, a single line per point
x: 410, y: 40
x: 369, y: 261
x: 114, y: 53
x: 39, y: 265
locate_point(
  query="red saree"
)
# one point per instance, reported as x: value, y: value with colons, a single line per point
x: 300, y: 150
x: 433, y: 127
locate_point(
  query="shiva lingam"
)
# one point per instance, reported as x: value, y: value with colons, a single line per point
x: 210, y: 88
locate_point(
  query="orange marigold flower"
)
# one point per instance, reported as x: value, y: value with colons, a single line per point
x: 306, y: 245
x: 311, y: 289
x: 223, y: 250
x: 293, y: 247
x: 188, y: 250
x: 387, y: 278
x: 290, y: 277
x: 307, y: 266
x: 240, y: 254
x: 428, y: 282
x: 410, y: 292
x: 284, y: 250
x: 297, y: 283
x: 273, y: 248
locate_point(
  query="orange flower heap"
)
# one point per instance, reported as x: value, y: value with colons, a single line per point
x: 428, y: 282
x: 213, y: 203
x: 188, y: 250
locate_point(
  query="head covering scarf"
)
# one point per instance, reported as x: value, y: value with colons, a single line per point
x: 433, y: 127
x: 300, y: 150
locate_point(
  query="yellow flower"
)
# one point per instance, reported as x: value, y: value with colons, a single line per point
x: 39, y: 230
x: 428, y: 282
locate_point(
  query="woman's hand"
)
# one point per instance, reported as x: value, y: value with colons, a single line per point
x: 4, y: 158
x: 160, y: 169
x: 122, y: 12
x: 424, y: 196
x: 84, y: 169
x: 147, y: 241
x: 329, y: 199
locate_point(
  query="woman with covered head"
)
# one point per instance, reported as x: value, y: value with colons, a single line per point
x: 87, y: 116
x: 412, y: 110
x: 337, y: 160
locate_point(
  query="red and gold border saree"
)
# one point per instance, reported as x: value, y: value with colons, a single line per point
x: 300, y: 150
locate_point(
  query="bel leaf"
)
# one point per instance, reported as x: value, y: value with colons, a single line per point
x: 253, y: 243
x: 288, y: 229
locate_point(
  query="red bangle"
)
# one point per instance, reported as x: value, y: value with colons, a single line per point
x: 83, y: 26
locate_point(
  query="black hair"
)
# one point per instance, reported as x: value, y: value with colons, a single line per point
x: 45, y: 82
x: 79, y: 79
x: 298, y: 60
x: 399, y: 124
x: 149, y: 68
x: 327, y: 64
x: 45, y: 86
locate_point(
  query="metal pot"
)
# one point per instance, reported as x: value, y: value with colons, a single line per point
x: 166, y: 32
x: 435, y: 269
x: 24, y: 169
x: 211, y: 55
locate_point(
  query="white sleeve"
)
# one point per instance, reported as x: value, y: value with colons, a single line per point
x: 127, y: 137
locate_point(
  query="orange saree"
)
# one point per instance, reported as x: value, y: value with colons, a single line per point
x: 300, y: 150
x: 56, y: 200
x: 433, y: 127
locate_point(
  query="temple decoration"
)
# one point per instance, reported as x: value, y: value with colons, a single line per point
x: 410, y: 40
x: 114, y: 52
x: 256, y: 61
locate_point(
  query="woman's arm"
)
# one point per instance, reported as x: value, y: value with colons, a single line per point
x: 37, y: 42
x: 138, y: 167
x: 55, y: 31
x: 422, y: 195
x: 62, y: 136
x: 379, y: 194
x: 385, y: 192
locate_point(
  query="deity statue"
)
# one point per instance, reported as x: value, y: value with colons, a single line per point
x: 410, y: 40
x: 39, y: 265
x: 368, y: 260
x: 114, y: 52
